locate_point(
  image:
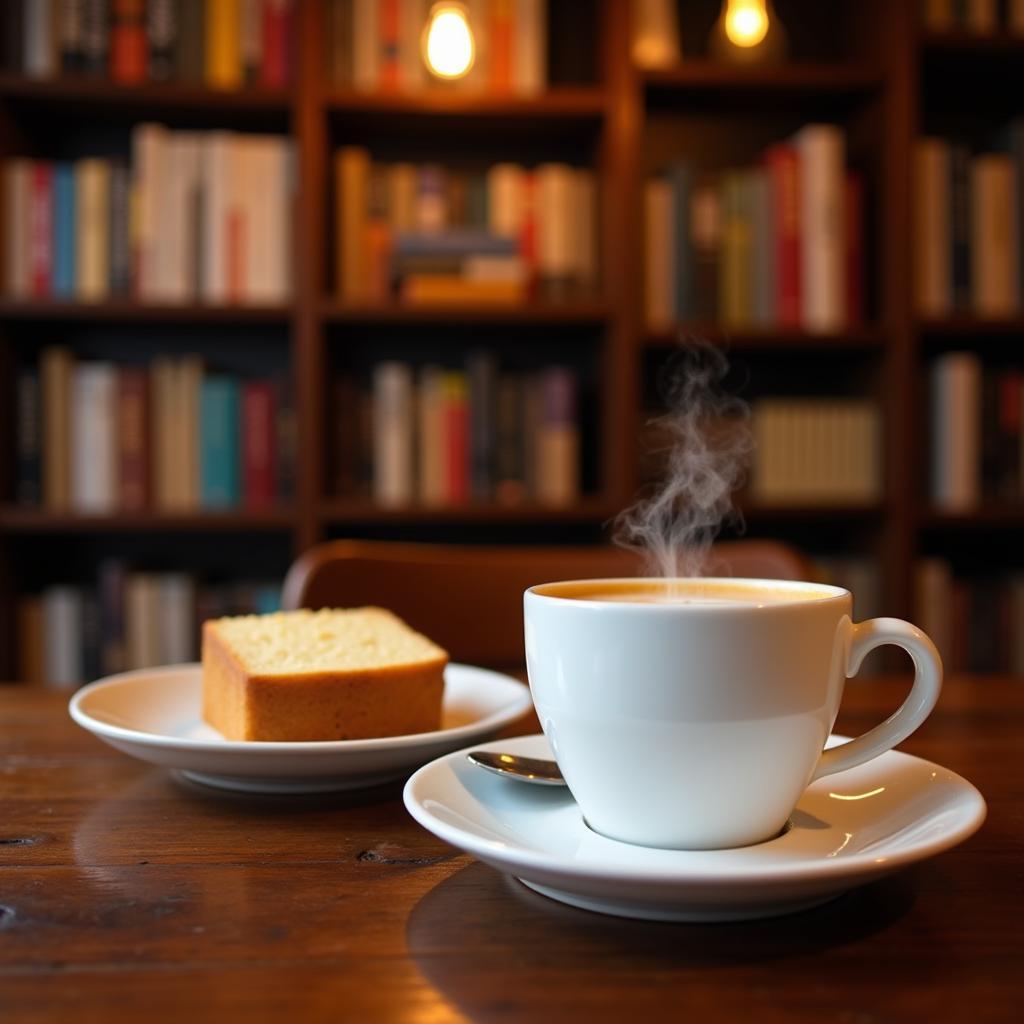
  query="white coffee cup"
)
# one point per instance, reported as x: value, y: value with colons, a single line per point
x: 696, y: 720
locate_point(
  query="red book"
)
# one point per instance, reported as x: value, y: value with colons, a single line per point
x: 129, y: 54
x: 259, y: 469
x: 456, y: 439
x: 40, y: 229
x: 853, y: 206
x: 784, y: 177
x: 501, y: 41
x: 390, y: 19
x: 236, y: 255
x: 528, y: 231
x: 275, y: 71
x: 133, y: 439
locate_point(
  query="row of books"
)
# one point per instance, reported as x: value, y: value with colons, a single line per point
x: 977, y: 444
x: 225, y: 44
x: 982, y: 17
x: 433, y: 234
x: 969, y: 232
x: 977, y: 623
x: 378, y: 45
x: 441, y: 437
x: 780, y: 244
x: 69, y: 634
x: 816, y: 450
x: 98, y: 438
x: 196, y: 217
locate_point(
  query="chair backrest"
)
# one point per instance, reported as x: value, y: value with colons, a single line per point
x: 469, y: 599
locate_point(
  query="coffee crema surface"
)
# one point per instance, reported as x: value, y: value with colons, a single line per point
x: 709, y: 592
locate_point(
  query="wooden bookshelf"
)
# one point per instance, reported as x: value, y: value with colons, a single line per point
x: 866, y: 65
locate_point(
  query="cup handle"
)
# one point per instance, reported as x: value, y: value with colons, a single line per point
x: 865, y: 637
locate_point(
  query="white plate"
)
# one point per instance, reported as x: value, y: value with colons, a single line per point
x: 848, y: 829
x: 154, y: 715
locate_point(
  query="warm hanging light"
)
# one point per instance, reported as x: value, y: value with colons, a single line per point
x: 448, y: 46
x: 746, y: 22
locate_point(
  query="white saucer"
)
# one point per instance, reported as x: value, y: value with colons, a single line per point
x: 848, y: 829
x: 154, y: 715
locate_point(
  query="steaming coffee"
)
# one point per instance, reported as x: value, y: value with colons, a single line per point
x: 691, y: 714
x: 682, y: 591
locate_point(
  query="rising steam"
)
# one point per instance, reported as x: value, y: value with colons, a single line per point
x: 708, y: 443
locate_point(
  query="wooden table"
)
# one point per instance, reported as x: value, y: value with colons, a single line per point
x: 128, y: 896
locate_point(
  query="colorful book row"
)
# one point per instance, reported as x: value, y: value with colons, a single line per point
x: 378, y: 45
x: 98, y: 438
x: 431, y: 234
x: 196, y: 217
x: 69, y: 633
x: 225, y: 44
x: 969, y: 224
x: 442, y: 437
x: 979, y: 17
x: 976, y: 622
x: 780, y: 244
x: 977, y: 444
x: 819, y: 451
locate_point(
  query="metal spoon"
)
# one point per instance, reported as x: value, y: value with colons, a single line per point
x: 523, y: 769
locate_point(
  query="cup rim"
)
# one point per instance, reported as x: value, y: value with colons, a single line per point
x: 823, y: 592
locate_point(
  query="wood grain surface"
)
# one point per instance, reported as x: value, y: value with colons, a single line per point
x: 126, y: 895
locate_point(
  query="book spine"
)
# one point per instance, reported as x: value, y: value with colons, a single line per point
x: 223, y: 44
x: 456, y: 439
x: 388, y: 39
x: 275, y: 68
x: 821, y: 148
x: 12, y: 41
x: 17, y: 181
x: 392, y: 434
x: 762, y: 262
x: 680, y: 181
x: 217, y: 169
x: 93, y: 410
x: 190, y: 383
x: 431, y: 410
x: 960, y: 222
x: 286, y: 444
x: 956, y: 424
x: 784, y: 172
x: 56, y: 368
x: 352, y: 178
x: 508, y: 456
x: 95, y: 36
x: 92, y: 229
x: 365, y: 48
x: 190, y: 56
x: 258, y: 442
x: 63, y: 230
x: 38, y: 50
x: 412, y: 71
x: 530, y: 47
x: 482, y: 372
x: 856, y: 250
x: 162, y: 38
x: 933, y: 229
x: 339, y: 32
x: 62, y: 628
x: 128, y: 42
x: 659, y: 273
x: 218, y: 442
x: 176, y: 615
x: 705, y: 227
x: 252, y: 13
x: 120, y: 230
x: 735, y: 299
x: 28, y: 440
x: 40, y: 229
x: 993, y: 241
x: 501, y: 36
x: 133, y: 439
x: 71, y: 24
x: 558, y: 440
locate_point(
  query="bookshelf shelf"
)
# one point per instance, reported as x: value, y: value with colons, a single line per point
x: 802, y: 80
x: 155, y: 97
x: 756, y: 338
x: 540, y: 313
x: 971, y: 326
x: 972, y: 44
x: 30, y: 521
x: 1002, y: 516
x: 129, y: 311
x: 560, y: 103
x: 813, y: 513
x: 343, y: 511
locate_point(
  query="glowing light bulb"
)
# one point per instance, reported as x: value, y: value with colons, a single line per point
x: 448, y: 46
x: 746, y: 22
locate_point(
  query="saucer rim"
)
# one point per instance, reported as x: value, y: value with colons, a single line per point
x: 511, y: 711
x: 513, y: 859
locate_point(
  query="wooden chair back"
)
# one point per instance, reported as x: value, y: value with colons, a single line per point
x: 469, y: 599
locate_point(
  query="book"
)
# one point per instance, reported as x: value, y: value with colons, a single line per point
x: 392, y: 434
x: 17, y: 192
x: 128, y: 41
x: 112, y: 581
x: 63, y: 230
x: 352, y: 183
x: 176, y: 636
x: 365, y: 51
x: 955, y: 430
x: 783, y: 166
x: 70, y: 15
x: 994, y: 245
x: 219, y: 442
x: 120, y: 258
x: 92, y: 229
x: 456, y: 438
x: 161, y: 38
x: 134, y: 438
x: 481, y: 373
x: 659, y: 273
x: 40, y: 229
x: 142, y: 620
x: 454, y: 289
x: 28, y: 439
x: 190, y: 52
x: 250, y: 44
x: 38, y: 50
x: 821, y: 150
x: 735, y: 281
x: 56, y: 369
x: 93, y: 419
x: 764, y: 291
x: 705, y: 241
x: 189, y: 383
x: 558, y: 443
x: 276, y: 43
x: 62, y: 607
x: 933, y: 241
x: 259, y: 469
x: 223, y: 65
